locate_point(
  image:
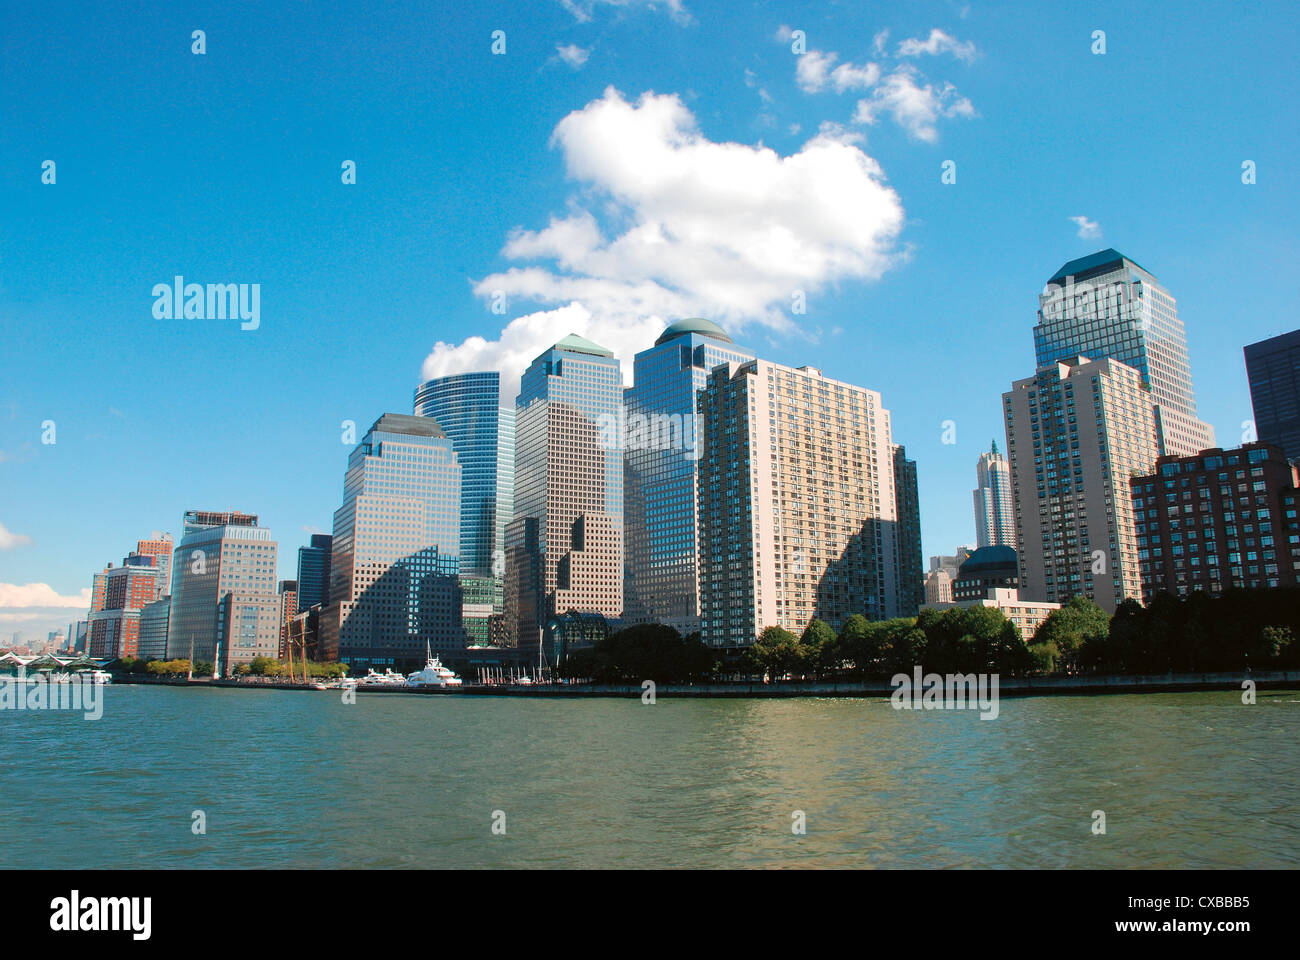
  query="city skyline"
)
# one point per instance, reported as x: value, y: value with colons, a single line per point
x: 907, y: 324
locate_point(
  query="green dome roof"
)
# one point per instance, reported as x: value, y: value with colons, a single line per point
x: 705, y: 328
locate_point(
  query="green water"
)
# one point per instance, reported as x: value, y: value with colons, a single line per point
x: 304, y: 780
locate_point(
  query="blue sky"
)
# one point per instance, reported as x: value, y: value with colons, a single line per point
x: 700, y: 169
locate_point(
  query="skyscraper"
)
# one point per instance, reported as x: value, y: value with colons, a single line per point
x: 468, y: 408
x: 907, y: 507
x: 395, y: 551
x: 1106, y: 306
x: 224, y: 604
x: 314, y: 572
x: 564, y: 546
x: 798, y: 513
x: 660, y: 459
x: 119, y: 594
x: 995, y: 512
x: 1077, y: 432
x: 1273, y: 369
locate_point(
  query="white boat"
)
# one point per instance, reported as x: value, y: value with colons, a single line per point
x: 524, y: 680
x: 385, y: 679
x: 434, y: 674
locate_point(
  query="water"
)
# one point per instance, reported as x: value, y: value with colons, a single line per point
x: 300, y: 780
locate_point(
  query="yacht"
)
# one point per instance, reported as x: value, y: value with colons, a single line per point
x: 385, y: 679
x: 434, y: 674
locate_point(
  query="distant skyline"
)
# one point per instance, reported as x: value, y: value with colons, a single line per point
x: 620, y: 166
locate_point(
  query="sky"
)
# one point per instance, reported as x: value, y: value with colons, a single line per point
x: 614, y: 167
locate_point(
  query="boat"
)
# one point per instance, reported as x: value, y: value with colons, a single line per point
x: 524, y: 680
x: 385, y: 679
x: 434, y: 673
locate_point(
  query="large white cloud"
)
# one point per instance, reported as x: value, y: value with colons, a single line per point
x: 671, y: 224
x: 39, y: 596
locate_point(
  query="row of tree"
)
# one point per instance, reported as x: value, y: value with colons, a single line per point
x: 1200, y: 634
x: 258, y: 667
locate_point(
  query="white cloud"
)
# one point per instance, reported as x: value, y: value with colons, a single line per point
x: 9, y: 540
x: 814, y: 73
x: 878, y: 42
x: 584, y: 10
x: 687, y: 227
x: 572, y: 54
x: 937, y: 43
x: 1088, y: 229
x: 34, y: 597
x: 915, y: 105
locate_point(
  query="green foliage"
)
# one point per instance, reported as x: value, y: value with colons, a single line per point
x: 167, y: 668
x: 1078, y: 624
x: 643, y: 652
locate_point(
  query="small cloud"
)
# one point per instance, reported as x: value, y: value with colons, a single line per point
x: 572, y: 54
x: 816, y: 71
x: 783, y: 34
x: 1088, y: 229
x: 309, y: 529
x: 9, y: 541
x: 937, y: 43
x: 914, y: 106
x: 878, y: 42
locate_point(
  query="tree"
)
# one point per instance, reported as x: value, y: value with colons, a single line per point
x: 1080, y: 621
x: 816, y: 646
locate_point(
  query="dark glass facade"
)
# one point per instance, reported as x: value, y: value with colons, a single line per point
x: 1273, y: 369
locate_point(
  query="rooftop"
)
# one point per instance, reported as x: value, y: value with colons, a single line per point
x: 1103, y: 261
x: 576, y: 344
x: 682, y: 328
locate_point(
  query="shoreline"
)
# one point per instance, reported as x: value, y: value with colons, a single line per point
x: 869, y: 689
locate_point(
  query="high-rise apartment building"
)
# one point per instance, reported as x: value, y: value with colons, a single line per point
x: 660, y: 456
x: 1220, y: 519
x: 797, y: 502
x: 396, y: 546
x: 995, y: 510
x: 468, y: 408
x: 564, y: 546
x: 224, y: 604
x: 117, y: 596
x: 1077, y: 432
x: 159, y: 547
x: 314, y: 572
x: 907, y: 507
x: 1273, y: 369
x: 1106, y: 306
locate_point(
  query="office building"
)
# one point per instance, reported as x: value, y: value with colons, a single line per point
x: 995, y: 511
x: 393, y: 589
x: 288, y: 591
x: 564, y: 545
x: 1077, y: 432
x: 224, y: 603
x: 314, y: 572
x: 660, y: 457
x: 797, y: 503
x: 468, y: 408
x: 1218, y: 520
x: 1273, y: 369
x: 1105, y: 306
x: 153, y: 629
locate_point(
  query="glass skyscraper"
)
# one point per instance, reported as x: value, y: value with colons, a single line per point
x: 1106, y: 306
x: 396, y: 546
x: 660, y: 460
x: 564, y: 546
x: 314, y: 572
x: 468, y: 409
x: 1273, y: 369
